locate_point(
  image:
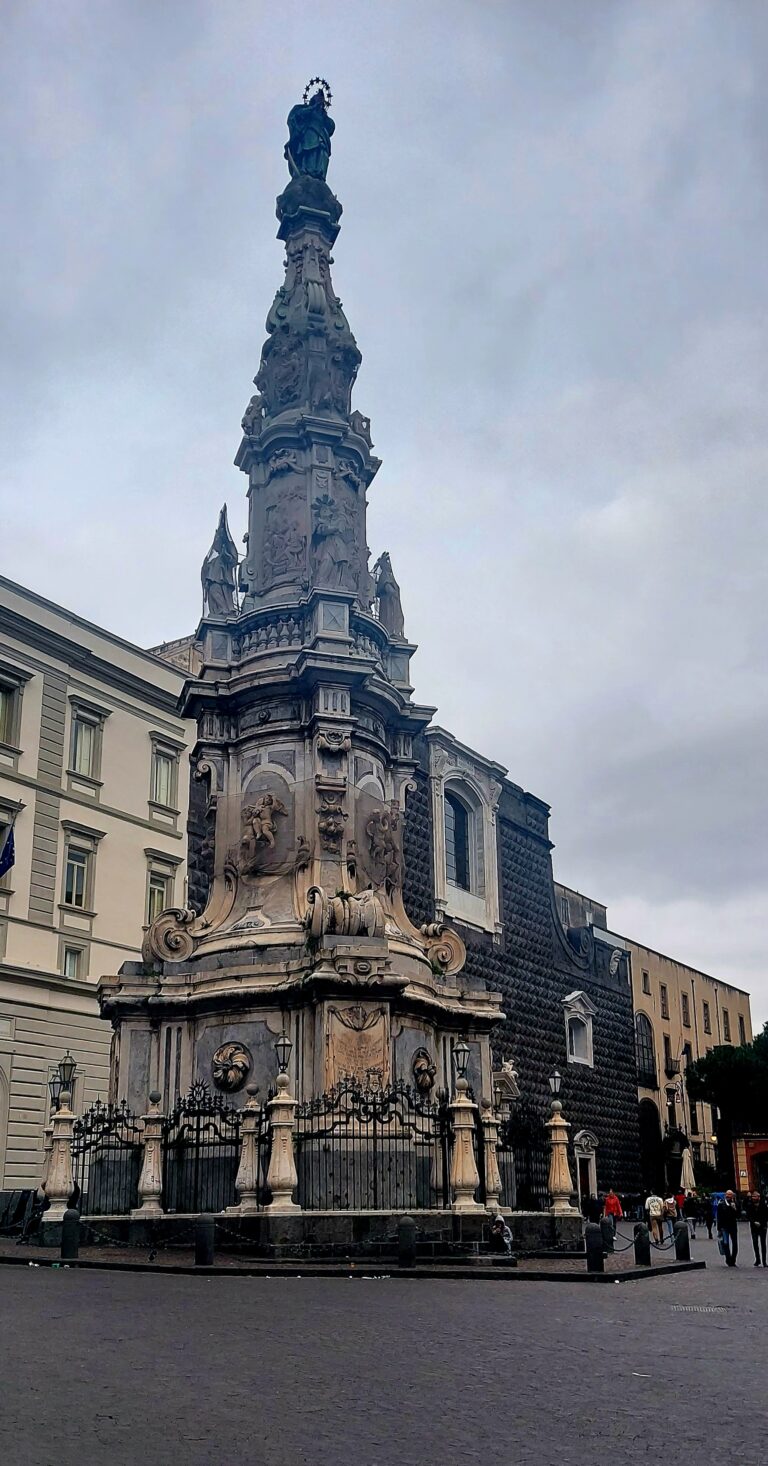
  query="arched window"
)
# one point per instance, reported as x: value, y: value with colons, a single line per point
x: 646, y: 1051
x: 578, y: 1041
x: 457, y: 866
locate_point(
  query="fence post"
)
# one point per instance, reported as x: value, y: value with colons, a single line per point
x: 60, y: 1182
x: 247, y: 1180
x: 151, y: 1175
x: 464, y: 1174
x: 682, y: 1242
x: 642, y: 1245
x: 282, y: 1178
x: 491, y: 1143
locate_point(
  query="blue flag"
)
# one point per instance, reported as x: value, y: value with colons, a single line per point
x: 7, y: 852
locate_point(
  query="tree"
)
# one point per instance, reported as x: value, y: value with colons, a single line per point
x: 734, y: 1079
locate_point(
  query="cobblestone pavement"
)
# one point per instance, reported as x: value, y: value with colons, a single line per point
x: 114, y: 1368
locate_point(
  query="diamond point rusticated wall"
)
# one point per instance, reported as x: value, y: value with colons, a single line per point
x: 533, y: 968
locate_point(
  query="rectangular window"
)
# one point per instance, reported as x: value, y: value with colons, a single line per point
x: 7, y: 713
x: 664, y: 996
x: 686, y: 1007
x: 696, y: 1148
x: 157, y: 894
x: 742, y: 1030
x: 163, y: 770
x: 667, y: 1051
x: 646, y: 981
x: 694, y: 1119
x: 687, y: 1053
x: 72, y: 963
x: 726, y: 1026
x: 707, y: 1018
x: 564, y: 912
x: 83, y: 746
x: 76, y: 877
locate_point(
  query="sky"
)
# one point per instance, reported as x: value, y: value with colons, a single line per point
x: 553, y: 258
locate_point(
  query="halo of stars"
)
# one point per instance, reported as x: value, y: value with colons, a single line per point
x: 318, y: 81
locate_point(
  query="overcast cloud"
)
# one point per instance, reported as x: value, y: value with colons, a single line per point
x: 553, y: 256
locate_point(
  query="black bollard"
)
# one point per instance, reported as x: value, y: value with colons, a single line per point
x: 406, y: 1242
x: 682, y: 1242
x: 642, y: 1245
x: 205, y: 1228
x: 606, y: 1227
x: 70, y: 1234
x: 593, y: 1238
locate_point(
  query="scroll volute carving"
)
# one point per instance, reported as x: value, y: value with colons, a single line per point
x: 444, y: 948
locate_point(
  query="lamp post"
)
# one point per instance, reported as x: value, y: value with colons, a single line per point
x: 282, y: 1178
x: 560, y: 1185
x: 465, y: 1177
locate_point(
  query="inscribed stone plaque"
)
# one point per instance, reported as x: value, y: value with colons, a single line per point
x: 357, y: 1043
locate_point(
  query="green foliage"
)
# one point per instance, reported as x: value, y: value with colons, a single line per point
x: 735, y: 1079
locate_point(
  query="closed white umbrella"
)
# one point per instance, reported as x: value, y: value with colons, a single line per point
x: 687, y: 1178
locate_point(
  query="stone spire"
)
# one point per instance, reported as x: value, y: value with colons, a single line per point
x: 307, y: 454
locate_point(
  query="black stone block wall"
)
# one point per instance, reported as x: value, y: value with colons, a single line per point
x: 534, y: 968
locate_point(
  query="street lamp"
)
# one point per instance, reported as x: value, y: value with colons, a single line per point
x: 67, y: 1067
x: 555, y: 1083
x: 461, y: 1058
x: 55, y: 1087
x: 283, y: 1049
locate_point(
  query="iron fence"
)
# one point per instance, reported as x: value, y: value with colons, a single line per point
x: 201, y: 1152
x: 106, y: 1159
x: 524, y: 1159
x: 372, y: 1149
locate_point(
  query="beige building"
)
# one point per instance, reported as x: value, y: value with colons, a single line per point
x: 680, y: 1014
x: 94, y: 778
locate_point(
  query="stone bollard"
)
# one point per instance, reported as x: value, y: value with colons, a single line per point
x: 205, y: 1232
x: 465, y: 1178
x: 593, y: 1239
x: 491, y: 1152
x: 406, y: 1242
x: 150, y: 1186
x: 682, y: 1242
x: 606, y: 1227
x: 282, y: 1179
x: 248, y: 1178
x: 60, y: 1182
x: 70, y: 1234
x: 642, y: 1245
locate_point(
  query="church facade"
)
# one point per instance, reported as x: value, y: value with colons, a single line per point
x: 359, y: 881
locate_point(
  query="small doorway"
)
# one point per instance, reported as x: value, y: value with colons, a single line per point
x: 584, y: 1147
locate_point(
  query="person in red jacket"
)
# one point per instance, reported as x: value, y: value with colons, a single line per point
x: 613, y: 1209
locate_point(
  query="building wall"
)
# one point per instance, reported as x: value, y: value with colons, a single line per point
x: 519, y: 946
x: 728, y: 1006
x: 62, y: 665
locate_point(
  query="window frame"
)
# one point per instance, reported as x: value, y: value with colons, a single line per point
x: 578, y: 1006
x: 726, y: 1025
x: 453, y: 802
x: 685, y: 1010
x: 664, y: 1000
x: 646, y: 982
x: 162, y: 746
x: 68, y: 950
x: 85, y: 714
x: 706, y: 1016
x: 83, y: 841
x: 644, y: 1073
x: 742, y: 1028
x: 164, y: 866
x: 13, y: 681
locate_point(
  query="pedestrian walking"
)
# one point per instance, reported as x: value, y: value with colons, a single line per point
x: 670, y: 1215
x: 728, y: 1228
x: 654, y: 1207
x: 612, y: 1208
x: 756, y: 1211
x: 691, y: 1211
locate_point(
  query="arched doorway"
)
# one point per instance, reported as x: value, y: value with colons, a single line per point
x: 584, y: 1147
x: 651, y: 1147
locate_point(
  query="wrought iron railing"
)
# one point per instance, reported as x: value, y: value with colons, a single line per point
x: 372, y: 1149
x: 201, y: 1152
x: 106, y: 1159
